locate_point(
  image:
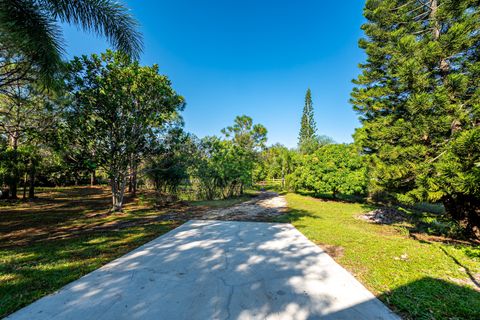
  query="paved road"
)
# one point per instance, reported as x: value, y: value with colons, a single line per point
x: 216, y: 270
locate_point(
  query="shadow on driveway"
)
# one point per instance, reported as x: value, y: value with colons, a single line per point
x: 216, y: 270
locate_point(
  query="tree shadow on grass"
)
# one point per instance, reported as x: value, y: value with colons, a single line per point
x: 427, y: 299
x: 293, y: 215
x: 431, y: 298
x: 339, y: 197
x: 474, y: 279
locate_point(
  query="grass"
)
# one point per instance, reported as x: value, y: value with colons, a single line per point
x: 419, y: 279
x: 67, y: 233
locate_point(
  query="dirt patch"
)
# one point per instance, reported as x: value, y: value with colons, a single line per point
x: 472, y: 283
x: 384, y: 216
x: 427, y: 238
x: 263, y: 207
x: 333, y: 251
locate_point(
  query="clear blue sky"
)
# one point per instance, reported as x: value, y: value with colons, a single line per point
x: 253, y: 57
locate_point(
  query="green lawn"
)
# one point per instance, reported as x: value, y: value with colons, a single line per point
x: 429, y: 282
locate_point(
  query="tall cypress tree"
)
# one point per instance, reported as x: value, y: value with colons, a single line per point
x: 308, y: 128
x: 418, y: 97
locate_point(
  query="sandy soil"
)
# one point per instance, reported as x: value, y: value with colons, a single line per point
x: 264, y: 206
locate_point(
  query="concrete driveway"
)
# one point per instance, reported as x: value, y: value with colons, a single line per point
x: 216, y: 270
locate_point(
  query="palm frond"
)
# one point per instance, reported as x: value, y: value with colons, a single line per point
x: 31, y: 35
x: 104, y: 17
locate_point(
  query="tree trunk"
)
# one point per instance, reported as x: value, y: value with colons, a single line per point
x: 436, y: 29
x: 130, y: 182
x: 210, y: 193
x: 231, y: 189
x: 113, y: 185
x: 118, y: 191
x: 433, y: 19
x: 130, y: 175
x: 13, y: 188
x: 25, y: 186
x: 15, y: 174
x: 134, y: 178
x: 31, y: 189
x: 92, y: 178
x: 465, y: 209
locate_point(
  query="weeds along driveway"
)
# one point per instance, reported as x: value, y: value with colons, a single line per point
x: 216, y: 270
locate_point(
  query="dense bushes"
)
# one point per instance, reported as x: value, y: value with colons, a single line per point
x: 213, y: 167
x: 329, y: 169
x: 167, y: 168
x: 222, y: 168
x: 332, y: 169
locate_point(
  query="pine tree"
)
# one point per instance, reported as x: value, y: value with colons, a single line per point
x: 418, y: 99
x: 308, y: 127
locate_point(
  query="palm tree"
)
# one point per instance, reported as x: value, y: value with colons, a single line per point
x: 30, y: 36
